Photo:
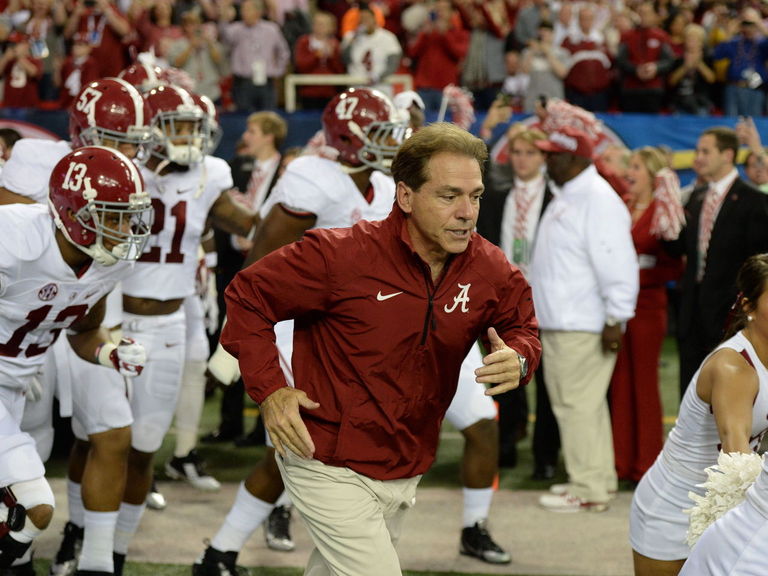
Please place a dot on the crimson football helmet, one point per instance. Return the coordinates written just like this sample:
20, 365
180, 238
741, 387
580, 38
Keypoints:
109, 109
366, 129
144, 76
214, 131
179, 125
97, 198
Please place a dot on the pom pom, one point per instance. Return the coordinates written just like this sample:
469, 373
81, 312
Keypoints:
726, 486
459, 102
668, 216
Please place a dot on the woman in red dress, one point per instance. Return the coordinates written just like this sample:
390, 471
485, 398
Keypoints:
653, 199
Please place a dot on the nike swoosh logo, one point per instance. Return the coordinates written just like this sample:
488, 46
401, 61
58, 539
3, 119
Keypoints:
381, 297
171, 344
183, 191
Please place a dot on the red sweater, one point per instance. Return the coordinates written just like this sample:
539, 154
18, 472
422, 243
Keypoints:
438, 57
376, 343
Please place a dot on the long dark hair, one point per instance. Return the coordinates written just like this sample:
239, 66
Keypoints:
751, 283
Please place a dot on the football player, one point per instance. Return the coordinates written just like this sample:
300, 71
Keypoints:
55, 278
187, 188
112, 113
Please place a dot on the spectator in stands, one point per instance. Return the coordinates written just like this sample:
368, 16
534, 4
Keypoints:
318, 53
350, 19
692, 76
546, 66
756, 170
293, 17
756, 162
259, 55
746, 52
77, 70
371, 51
674, 26
199, 54
644, 60
107, 30
156, 28
484, 70
515, 85
528, 20
21, 73
43, 26
590, 69
438, 53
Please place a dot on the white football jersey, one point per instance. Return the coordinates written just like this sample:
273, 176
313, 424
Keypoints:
319, 186
369, 53
182, 200
40, 295
28, 169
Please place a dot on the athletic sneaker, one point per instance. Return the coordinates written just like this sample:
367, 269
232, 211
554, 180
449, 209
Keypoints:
65, 562
155, 500
568, 503
477, 542
561, 489
191, 469
277, 529
217, 563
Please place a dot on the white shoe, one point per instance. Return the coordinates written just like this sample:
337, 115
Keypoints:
155, 500
191, 469
561, 489
566, 503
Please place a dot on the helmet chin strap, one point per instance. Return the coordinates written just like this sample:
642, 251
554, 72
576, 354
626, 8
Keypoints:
100, 254
96, 250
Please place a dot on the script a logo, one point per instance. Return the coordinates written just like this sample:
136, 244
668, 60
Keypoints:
462, 298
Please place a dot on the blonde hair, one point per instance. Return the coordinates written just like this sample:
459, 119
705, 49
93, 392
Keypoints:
652, 158
270, 123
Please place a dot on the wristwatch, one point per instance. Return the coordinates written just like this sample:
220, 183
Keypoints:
523, 366
610, 321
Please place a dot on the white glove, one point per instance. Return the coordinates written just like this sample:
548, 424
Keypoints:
223, 366
128, 357
211, 305
35, 390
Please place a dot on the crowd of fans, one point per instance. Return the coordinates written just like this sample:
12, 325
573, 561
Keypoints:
680, 56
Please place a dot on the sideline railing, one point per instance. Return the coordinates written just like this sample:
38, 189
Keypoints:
293, 80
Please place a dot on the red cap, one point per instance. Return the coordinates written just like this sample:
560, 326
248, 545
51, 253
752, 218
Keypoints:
567, 139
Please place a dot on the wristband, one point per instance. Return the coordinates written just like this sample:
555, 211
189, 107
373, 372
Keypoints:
103, 353
211, 259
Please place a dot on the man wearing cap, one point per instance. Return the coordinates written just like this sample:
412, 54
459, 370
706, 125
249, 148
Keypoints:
584, 276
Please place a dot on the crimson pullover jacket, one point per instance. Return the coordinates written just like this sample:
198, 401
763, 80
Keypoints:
376, 342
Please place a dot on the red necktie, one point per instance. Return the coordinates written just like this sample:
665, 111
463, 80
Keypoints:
520, 236
706, 223
254, 186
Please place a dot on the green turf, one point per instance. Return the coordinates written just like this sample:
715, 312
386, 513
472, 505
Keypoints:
134, 569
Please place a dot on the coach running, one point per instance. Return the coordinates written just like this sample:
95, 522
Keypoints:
385, 312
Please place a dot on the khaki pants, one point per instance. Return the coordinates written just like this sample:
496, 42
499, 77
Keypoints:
354, 521
577, 374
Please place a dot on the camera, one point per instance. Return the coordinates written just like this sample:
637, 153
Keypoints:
89, 3
752, 78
